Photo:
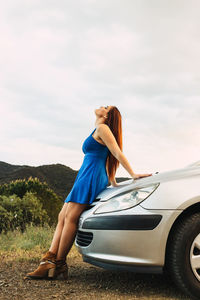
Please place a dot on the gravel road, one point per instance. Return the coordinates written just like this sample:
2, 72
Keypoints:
85, 282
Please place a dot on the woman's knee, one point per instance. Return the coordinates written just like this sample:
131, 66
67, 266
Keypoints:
73, 213
61, 216
62, 213
71, 217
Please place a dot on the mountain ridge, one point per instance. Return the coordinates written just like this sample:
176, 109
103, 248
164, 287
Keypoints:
60, 178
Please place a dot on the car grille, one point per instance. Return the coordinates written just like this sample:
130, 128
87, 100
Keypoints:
84, 238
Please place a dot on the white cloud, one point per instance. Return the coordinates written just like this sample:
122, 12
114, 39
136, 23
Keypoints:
30, 151
61, 60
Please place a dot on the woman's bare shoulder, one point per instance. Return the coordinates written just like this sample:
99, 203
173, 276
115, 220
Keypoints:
103, 127
104, 132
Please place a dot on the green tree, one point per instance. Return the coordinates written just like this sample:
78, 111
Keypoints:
49, 200
17, 213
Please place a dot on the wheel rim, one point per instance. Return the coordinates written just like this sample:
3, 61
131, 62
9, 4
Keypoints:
195, 257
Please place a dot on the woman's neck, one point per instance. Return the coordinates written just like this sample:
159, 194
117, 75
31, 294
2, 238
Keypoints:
99, 121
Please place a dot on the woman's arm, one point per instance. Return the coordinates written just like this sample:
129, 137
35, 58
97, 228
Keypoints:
108, 138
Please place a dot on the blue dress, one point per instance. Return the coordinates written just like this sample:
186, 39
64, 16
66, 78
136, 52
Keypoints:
92, 176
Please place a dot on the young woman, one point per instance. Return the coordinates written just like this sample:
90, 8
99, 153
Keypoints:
103, 153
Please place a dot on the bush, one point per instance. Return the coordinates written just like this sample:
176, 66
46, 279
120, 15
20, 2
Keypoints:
5, 219
17, 213
49, 200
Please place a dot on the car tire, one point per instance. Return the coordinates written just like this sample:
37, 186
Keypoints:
181, 254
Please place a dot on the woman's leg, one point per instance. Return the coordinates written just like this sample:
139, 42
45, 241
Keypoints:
61, 244
57, 234
68, 234
47, 266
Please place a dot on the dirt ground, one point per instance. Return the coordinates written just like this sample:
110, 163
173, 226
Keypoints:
85, 282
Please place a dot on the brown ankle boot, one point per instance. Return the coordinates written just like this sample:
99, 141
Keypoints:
46, 268
49, 256
61, 271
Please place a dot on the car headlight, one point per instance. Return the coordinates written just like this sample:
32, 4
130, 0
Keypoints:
126, 200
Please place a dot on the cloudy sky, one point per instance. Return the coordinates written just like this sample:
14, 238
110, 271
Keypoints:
61, 59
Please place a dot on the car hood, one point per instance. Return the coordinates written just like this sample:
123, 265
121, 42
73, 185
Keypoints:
125, 186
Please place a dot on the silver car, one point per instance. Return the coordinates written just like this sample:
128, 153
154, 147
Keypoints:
147, 225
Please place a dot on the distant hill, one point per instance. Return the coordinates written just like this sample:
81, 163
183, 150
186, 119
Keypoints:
59, 178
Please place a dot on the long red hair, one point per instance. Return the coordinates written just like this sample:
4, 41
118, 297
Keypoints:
114, 121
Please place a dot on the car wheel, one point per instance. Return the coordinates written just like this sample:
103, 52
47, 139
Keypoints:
183, 255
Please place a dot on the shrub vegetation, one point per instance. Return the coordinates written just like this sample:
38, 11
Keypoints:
27, 201
17, 213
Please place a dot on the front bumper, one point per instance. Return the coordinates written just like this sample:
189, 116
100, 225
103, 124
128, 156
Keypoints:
133, 239
122, 222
